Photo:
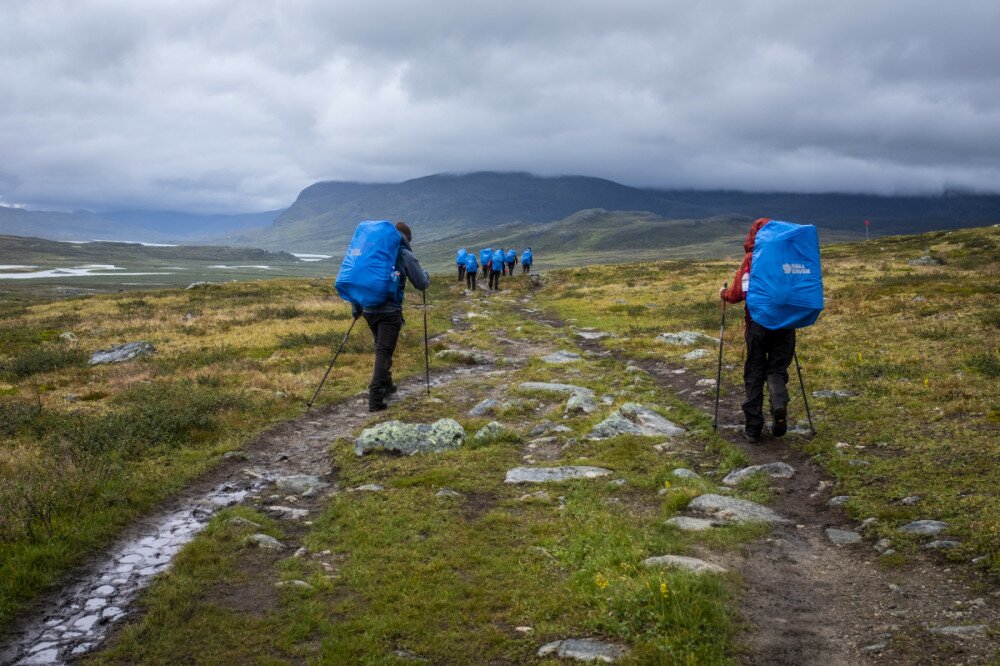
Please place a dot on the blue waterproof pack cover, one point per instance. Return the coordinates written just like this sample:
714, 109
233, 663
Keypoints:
526, 258
786, 279
511, 256
498, 260
484, 255
368, 275
471, 265
460, 256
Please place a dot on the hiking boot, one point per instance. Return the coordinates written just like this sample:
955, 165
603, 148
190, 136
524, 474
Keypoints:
751, 437
780, 425
391, 390
377, 406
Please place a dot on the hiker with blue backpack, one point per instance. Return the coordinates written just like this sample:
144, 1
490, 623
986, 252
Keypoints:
372, 278
485, 255
526, 259
471, 270
781, 282
496, 268
511, 261
460, 262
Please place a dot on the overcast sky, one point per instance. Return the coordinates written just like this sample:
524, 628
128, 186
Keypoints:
236, 105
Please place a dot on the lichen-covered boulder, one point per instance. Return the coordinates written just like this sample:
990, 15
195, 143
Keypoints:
490, 431
411, 438
463, 356
121, 353
634, 419
686, 338
579, 403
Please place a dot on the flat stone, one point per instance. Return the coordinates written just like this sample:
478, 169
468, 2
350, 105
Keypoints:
447, 492
411, 439
697, 354
926, 260
839, 500
682, 473
912, 500
635, 370
235, 455
707, 383
874, 647
776, 470
237, 521
485, 407
287, 512
686, 338
540, 497
86, 622
554, 474
593, 335
561, 357
634, 419
882, 545
104, 591
49, 656
112, 612
961, 630
942, 544
924, 527
197, 285
842, 537
834, 393
463, 356
580, 404
734, 510
264, 541
97, 603
297, 584
368, 488
299, 483
552, 387
490, 431
691, 564
688, 524
121, 353
584, 649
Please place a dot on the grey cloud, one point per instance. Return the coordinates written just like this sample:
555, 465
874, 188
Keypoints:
230, 105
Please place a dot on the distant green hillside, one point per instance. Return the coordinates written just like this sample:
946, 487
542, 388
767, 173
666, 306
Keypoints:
20, 250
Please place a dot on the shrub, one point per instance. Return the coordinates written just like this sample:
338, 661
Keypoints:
986, 364
282, 312
46, 358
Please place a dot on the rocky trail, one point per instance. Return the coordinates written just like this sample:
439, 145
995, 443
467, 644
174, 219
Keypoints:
815, 591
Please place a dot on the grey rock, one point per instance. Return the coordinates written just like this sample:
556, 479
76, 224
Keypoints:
121, 353
410, 438
883, 545
634, 419
237, 521
697, 354
924, 527
490, 431
554, 474
926, 260
839, 500
463, 356
858, 463
635, 370
264, 541
551, 387
299, 483
197, 285
942, 544
542, 428
708, 383
961, 630
874, 647
539, 496
734, 510
368, 488
887, 552
691, 564
776, 470
447, 492
919, 299
67, 336
686, 338
235, 455
834, 393
297, 584
287, 512
842, 537
910, 501
688, 524
561, 357
487, 406
580, 404
593, 335
584, 649
682, 473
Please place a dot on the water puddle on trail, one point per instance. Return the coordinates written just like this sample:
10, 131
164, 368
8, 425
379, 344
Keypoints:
80, 617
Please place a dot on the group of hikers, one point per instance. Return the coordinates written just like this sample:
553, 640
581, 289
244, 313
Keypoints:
494, 263
779, 279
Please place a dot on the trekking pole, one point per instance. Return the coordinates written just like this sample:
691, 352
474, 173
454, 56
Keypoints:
804, 397
327, 373
427, 353
718, 373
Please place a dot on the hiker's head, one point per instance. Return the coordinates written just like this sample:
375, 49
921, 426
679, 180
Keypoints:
404, 228
752, 236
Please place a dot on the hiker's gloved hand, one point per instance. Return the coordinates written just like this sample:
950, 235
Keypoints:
355, 310
722, 293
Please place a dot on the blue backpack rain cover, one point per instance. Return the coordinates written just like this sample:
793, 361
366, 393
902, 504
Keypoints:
485, 254
786, 280
460, 257
368, 276
471, 265
526, 257
511, 256
498, 260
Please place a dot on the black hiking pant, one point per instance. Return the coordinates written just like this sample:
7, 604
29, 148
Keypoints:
525, 268
486, 271
461, 272
385, 327
769, 353
470, 279
495, 280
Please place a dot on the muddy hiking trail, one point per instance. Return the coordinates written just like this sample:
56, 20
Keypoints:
804, 600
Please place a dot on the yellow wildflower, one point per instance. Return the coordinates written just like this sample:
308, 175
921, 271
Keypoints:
600, 581
663, 590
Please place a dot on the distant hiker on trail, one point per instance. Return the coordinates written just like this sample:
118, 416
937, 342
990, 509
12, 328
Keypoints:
511, 261
484, 260
471, 270
496, 269
386, 320
526, 260
768, 355
460, 262
781, 281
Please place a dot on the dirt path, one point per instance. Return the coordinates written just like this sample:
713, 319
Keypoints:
808, 601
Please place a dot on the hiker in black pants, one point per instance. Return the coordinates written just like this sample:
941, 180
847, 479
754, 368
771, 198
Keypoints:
769, 353
386, 321
496, 269
471, 271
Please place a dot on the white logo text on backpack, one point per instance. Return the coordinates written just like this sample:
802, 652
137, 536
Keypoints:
795, 269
